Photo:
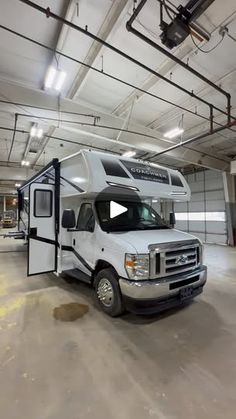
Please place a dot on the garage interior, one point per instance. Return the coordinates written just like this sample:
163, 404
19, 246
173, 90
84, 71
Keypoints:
102, 75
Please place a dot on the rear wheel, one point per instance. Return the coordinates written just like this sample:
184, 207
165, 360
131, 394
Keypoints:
108, 292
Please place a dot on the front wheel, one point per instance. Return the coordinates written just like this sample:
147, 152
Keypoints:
108, 292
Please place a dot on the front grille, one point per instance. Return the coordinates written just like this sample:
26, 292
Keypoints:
175, 258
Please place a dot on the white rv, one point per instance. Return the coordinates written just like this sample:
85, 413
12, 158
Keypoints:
92, 216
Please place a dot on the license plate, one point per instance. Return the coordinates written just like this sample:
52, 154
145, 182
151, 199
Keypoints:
186, 293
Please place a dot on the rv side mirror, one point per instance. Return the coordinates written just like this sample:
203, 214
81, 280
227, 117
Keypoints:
68, 218
172, 219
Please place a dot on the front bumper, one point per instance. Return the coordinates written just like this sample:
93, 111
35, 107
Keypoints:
154, 292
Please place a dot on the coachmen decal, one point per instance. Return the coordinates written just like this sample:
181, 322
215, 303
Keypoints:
145, 172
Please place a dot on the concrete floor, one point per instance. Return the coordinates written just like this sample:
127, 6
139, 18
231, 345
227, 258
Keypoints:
178, 365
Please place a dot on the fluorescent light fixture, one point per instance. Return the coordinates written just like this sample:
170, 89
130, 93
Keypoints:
60, 80
39, 133
129, 153
36, 132
174, 133
51, 74
33, 131
17, 185
154, 200
25, 163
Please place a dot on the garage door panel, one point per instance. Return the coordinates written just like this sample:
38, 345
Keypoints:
215, 206
197, 197
181, 207
215, 195
182, 225
196, 207
216, 238
197, 187
197, 226
215, 227
207, 202
212, 184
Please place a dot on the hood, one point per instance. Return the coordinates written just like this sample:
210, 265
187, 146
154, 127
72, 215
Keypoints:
141, 239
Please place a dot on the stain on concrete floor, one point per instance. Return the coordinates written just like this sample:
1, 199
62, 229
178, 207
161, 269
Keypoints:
70, 312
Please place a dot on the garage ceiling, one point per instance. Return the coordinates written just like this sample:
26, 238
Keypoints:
102, 100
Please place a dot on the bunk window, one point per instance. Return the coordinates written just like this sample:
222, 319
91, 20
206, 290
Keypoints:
42, 203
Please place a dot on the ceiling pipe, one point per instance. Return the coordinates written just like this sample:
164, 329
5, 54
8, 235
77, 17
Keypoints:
87, 124
122, 143
167, 53
13, 137
191, 140
104, 74
48, 136
173, 57
85, 31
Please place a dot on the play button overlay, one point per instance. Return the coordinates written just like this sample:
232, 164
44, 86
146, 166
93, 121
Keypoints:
116, 209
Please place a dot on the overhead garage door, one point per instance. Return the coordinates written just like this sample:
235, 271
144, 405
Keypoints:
205, 215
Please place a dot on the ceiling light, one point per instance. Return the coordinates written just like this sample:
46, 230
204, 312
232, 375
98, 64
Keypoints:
174, 133
39, 133
50, 76
129, 153
54, 79
60, 80
36, 132
33, 131
17, 185
25, 163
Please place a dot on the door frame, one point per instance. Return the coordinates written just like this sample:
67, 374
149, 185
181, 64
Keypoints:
55, 164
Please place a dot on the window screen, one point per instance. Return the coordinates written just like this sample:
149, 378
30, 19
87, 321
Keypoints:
86, 217
42, 203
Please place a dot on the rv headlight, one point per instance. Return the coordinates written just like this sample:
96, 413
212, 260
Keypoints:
137, 266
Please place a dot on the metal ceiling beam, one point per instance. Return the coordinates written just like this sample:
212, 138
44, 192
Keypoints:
151, 81
39, 98
123, 54
187, 102
120, 80
110, 20
167, 53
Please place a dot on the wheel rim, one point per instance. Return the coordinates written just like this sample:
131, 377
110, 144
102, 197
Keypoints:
105, 292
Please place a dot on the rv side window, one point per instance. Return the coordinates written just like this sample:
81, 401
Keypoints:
86, 219
175, 180
42, 203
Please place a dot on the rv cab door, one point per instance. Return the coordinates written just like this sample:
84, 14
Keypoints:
42, 252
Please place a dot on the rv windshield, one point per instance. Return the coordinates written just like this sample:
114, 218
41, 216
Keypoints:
138, 216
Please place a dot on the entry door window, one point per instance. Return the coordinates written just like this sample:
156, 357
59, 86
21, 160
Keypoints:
42, 203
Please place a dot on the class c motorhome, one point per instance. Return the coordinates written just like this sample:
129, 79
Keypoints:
94, 216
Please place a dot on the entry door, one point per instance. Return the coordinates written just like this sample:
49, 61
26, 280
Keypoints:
42, 252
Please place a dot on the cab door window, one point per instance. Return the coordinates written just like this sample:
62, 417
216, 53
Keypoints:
86, 220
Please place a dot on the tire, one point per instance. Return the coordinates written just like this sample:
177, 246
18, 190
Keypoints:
108, 292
